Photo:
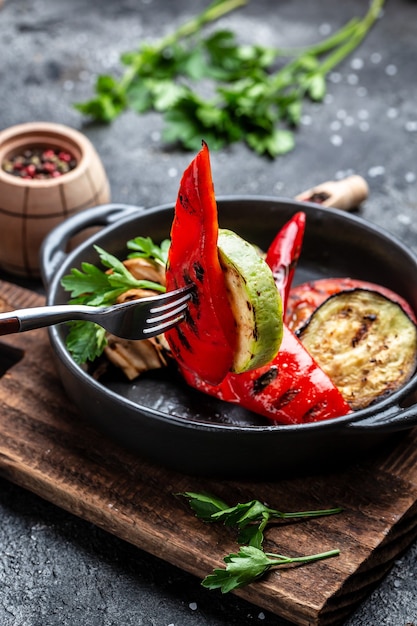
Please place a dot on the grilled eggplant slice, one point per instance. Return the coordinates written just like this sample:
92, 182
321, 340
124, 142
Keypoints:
304, 299
365, 342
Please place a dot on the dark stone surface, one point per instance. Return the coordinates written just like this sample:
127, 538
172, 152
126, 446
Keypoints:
54, 568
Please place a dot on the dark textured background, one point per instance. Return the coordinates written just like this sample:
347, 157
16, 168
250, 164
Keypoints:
56, 569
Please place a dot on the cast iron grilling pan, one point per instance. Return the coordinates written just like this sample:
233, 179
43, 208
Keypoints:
162, 419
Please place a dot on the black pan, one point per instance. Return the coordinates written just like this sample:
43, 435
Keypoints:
162, 419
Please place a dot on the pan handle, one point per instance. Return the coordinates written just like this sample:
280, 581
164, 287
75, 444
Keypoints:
396, 414
54, 248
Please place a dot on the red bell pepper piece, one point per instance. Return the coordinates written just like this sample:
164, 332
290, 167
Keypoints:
292, 389
204, 343
283, 254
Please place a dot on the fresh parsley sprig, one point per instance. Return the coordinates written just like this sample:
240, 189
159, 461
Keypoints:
95, 287
250, 518
251, 563
258, 91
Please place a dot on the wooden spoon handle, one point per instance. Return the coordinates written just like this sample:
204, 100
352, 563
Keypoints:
346, 194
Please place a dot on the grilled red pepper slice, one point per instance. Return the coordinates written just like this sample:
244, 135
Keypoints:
283, 254
204, 342
292, 389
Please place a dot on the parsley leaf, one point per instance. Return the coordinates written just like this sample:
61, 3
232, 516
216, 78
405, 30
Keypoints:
204, 505
85, 341
81, 283
250, 563
144, 247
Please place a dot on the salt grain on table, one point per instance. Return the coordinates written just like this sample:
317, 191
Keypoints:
353, 79
411, 126
377, 170
335, 77
404, 219
356, 64
391, 70
392, 113
336, 140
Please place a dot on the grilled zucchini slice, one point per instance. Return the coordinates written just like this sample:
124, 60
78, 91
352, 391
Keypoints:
365, 343
255, 302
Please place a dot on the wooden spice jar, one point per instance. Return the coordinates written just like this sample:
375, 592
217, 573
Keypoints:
31, 206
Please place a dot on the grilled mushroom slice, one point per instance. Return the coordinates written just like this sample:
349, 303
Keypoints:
136, 357
365, 343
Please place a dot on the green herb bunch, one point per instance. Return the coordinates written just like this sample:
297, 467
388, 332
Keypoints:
250, 519
258, 91
96, 287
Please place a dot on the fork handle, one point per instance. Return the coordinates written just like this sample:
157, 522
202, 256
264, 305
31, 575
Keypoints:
9, 326
40, 317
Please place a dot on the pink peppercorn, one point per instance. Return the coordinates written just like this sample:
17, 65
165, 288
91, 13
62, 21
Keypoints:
49, 167
30, 170
64, 156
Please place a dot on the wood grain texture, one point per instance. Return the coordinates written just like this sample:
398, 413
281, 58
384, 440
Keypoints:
48, 448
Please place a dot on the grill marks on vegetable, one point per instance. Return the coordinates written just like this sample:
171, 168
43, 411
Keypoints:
195, 299
265, 379
364, 329
282, 401
185, 203
199, 272
183, 340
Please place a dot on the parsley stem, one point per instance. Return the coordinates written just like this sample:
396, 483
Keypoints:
356, 28
358, 35
324, 45
342, 42
280, 559
298, 514
214, 11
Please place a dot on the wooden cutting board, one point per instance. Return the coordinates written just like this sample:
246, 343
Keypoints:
48, 448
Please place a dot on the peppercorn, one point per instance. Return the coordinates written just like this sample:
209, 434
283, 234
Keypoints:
40, 163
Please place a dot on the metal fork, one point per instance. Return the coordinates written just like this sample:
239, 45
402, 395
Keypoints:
138, 319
